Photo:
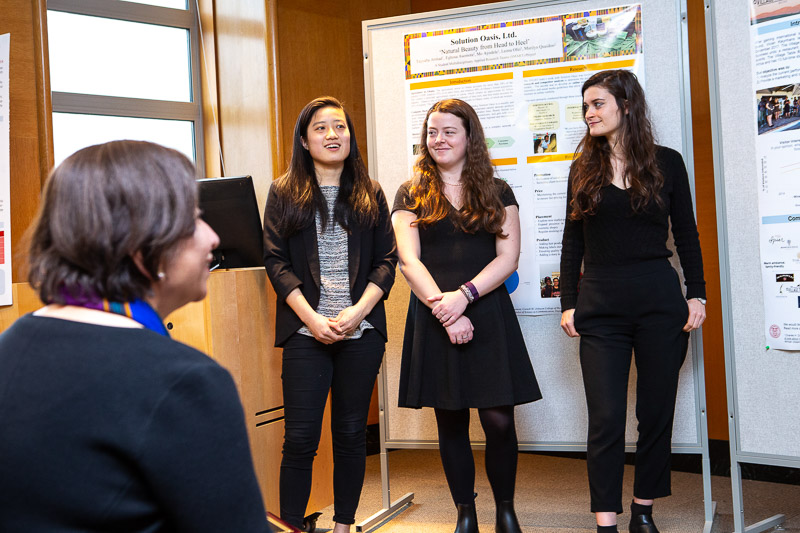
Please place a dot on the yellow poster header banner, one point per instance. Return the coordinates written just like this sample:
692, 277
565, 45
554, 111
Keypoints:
462, 81
608, 65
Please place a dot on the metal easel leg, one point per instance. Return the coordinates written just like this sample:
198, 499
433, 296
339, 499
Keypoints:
390, 509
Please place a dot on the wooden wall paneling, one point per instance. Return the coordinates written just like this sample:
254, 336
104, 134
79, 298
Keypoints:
245, 109
20, 18
421, 6
208, 87
327, 60
44, 103
713, 347
273, 70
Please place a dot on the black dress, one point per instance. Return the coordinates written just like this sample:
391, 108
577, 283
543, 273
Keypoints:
491, 370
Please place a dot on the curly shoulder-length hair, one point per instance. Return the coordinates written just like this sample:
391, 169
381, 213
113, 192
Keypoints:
482, 208
592, 170
101, 207
299, 196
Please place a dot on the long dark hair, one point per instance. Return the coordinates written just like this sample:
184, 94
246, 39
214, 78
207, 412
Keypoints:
482, 207
298, 192
592, 169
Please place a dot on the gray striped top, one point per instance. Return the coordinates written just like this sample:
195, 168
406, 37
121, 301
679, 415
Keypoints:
334, 274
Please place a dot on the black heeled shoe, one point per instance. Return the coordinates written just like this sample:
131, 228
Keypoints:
506, 518
467, 518
642, 523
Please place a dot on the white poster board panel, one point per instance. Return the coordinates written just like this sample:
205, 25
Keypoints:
764, 382
559, 420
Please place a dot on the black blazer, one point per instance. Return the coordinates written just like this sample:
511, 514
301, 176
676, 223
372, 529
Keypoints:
294, 262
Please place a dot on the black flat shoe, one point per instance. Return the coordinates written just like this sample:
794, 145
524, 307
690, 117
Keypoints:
467, 518
506, 518
642, 523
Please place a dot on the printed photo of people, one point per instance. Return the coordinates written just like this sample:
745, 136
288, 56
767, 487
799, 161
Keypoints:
549, 281
603, 33
778, 108
544, 143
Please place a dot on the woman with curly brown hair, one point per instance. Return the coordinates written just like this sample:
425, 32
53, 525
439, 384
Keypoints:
624, 191
458, 238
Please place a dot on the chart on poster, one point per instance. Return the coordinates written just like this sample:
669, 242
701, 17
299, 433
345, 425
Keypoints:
775, 56
5, 176
523, 77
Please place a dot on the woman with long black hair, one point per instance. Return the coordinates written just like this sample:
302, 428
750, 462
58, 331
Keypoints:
458, 237
624, 192
330, 254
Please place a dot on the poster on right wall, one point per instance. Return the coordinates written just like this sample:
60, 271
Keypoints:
775, 55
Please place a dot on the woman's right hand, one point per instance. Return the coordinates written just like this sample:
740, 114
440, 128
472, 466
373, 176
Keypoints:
321, 328
568, 323
461, 330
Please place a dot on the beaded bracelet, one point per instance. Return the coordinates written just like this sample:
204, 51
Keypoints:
467, 293
473, 290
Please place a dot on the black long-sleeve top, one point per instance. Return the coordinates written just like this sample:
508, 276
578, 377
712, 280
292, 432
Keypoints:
615, 235
119, 429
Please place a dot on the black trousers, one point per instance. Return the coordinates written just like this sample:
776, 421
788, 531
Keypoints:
620, 309
310, 369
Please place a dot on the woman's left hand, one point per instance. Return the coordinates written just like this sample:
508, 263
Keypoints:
697, 314
347, 320
450, 306
461, 331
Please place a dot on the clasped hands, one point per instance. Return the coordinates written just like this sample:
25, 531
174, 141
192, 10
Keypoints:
329, 330
448, 309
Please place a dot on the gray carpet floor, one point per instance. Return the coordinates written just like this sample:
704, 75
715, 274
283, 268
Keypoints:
552, 497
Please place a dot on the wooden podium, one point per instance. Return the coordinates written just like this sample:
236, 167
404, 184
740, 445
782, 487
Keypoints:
234, 324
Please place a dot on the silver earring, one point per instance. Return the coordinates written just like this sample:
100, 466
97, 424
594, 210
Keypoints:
161, 276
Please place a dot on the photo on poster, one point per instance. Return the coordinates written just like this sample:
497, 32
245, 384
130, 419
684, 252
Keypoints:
549, 281
778, 108
603, 33
766, 10
544, 143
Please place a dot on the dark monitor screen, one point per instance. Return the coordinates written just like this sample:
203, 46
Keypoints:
229, 206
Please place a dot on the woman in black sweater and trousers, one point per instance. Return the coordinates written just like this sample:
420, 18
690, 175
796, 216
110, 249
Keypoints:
623, 193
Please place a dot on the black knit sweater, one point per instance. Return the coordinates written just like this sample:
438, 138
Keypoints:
615, 235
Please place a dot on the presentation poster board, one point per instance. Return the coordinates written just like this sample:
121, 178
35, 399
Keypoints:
762, 381
519, 109
754, 69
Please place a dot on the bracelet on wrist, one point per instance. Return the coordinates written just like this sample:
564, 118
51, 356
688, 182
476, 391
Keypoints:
467, 293
472, 290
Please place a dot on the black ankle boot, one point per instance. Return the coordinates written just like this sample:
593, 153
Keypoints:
642, 523
506, 518
467, 518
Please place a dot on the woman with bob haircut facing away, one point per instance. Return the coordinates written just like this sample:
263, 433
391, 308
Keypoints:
330, 255
458, 238
108, 425
624, 191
